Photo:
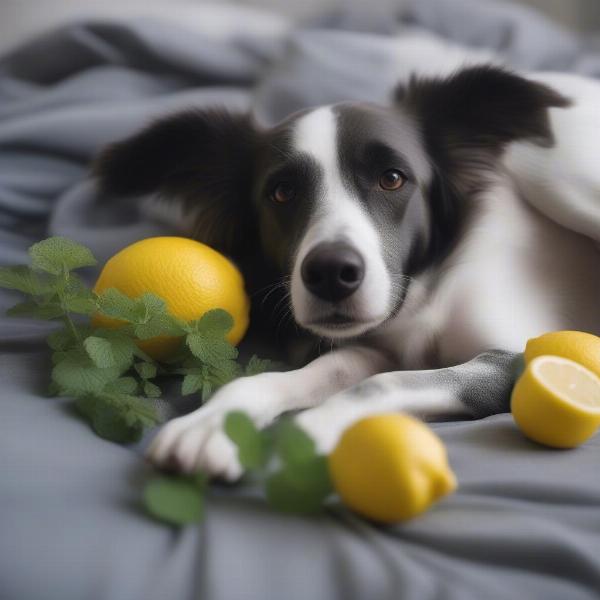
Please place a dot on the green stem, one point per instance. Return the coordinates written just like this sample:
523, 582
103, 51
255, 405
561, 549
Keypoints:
71, 327
67, 318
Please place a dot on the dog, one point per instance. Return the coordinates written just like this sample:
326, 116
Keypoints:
404, 236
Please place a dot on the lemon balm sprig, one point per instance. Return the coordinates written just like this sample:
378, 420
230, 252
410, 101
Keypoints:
54, 291
283, 459
90, 365
110, 378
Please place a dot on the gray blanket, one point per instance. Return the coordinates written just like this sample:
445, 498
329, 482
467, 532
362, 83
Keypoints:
525, 521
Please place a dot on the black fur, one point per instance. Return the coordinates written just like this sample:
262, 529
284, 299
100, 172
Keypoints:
467, 120
484, 107
204, 159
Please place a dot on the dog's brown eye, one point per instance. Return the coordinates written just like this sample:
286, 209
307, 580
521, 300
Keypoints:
283, 192
391, 180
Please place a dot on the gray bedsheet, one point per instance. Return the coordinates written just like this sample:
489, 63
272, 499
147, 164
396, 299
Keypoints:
525, 522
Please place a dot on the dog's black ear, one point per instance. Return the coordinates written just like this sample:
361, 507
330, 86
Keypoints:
483, 107
203, 159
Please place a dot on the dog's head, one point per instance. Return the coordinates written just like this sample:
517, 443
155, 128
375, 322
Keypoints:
348, 200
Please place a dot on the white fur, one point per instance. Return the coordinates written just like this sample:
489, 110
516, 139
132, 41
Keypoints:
338, 216
513, 276
563, 182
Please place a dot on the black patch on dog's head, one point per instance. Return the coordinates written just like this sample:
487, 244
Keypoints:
467, 120
204, 159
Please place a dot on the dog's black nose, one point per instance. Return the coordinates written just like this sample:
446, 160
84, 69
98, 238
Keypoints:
333, 271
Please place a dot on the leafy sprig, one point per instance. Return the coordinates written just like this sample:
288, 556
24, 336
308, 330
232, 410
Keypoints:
112, 381
284, 458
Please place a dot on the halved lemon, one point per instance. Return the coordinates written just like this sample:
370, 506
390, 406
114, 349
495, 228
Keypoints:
556, 402
579, 346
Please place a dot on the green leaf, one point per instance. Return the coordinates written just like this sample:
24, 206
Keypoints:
151, 390
30, 309
122, 346
62, 339
192, 382
286, 494
100, 351
303, 483
86, 406
256, 365
53, 389
224, 372
57, 255
115, 304
73, 285
80, 306
146, 370
206, 391
211, 351
176, 500
25, 280
292, 444
181, 357
76, 374
148, 313
59, 356
312, 475
112, 423
240, 428
117, 417
153, 304
214, 323
123, 385
107, 418
139, 409
251, 444
158, 324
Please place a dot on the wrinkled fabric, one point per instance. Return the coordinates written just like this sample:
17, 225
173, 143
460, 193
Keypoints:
525, 520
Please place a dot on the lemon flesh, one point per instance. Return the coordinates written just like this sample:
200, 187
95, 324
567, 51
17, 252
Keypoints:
190, 276
556, 402
390, 468
583, 348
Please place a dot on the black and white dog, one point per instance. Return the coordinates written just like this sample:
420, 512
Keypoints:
401, 235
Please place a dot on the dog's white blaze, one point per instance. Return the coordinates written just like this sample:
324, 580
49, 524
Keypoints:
337, 215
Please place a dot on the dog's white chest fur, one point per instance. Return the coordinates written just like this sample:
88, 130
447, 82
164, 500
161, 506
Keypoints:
514, 275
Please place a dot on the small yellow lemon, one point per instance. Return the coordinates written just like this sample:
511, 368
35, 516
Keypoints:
191, 277
390, 467
556, 402
581, 347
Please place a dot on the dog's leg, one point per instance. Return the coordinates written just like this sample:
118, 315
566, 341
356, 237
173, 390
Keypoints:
477, 388
197, 441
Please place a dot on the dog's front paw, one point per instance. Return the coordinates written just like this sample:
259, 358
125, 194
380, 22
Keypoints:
194, 443
197, 442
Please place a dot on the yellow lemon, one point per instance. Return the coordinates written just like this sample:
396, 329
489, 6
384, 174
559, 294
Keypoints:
581, 347
556, 402
390, 467
191, 277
